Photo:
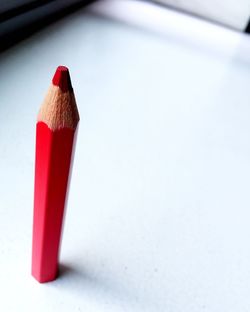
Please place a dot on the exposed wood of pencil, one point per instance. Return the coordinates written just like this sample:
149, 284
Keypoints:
55, 136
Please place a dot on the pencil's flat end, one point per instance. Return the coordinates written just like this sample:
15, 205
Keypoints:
62, 79
44, 278
44, 273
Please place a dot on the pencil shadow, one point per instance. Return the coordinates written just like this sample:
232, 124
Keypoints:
68, 272
101, 287
65, 271
81, 276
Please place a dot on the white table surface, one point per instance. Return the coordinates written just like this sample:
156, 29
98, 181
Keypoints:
159, 208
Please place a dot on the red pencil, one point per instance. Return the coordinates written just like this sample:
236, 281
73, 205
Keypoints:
55, 136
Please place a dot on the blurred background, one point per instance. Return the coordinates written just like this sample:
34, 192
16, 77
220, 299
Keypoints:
20, 18
234, 14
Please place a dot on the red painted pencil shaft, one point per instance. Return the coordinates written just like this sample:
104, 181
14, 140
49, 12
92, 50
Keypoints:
55, 137
53, 161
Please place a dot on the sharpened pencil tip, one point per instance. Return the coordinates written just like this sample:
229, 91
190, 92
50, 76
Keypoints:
62, 79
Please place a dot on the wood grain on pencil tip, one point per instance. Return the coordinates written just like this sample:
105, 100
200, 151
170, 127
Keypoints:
59, 108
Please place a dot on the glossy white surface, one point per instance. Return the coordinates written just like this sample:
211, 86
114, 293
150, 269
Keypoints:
158, 212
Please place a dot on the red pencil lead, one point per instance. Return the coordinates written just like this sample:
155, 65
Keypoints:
62, 79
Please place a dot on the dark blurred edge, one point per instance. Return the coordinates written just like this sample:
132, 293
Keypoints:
21, 22
17, 8
247, 30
